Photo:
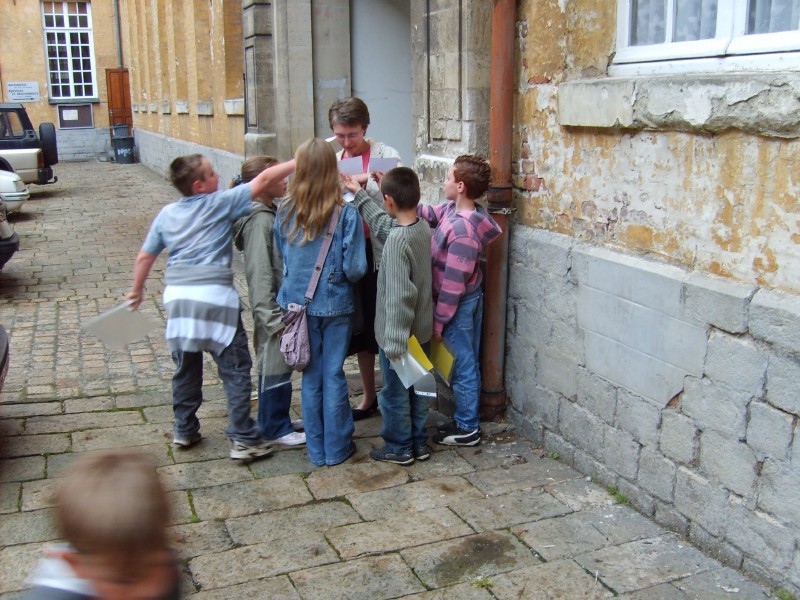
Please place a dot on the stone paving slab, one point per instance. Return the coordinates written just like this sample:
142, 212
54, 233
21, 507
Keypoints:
500, 520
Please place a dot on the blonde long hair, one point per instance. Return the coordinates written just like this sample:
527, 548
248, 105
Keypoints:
313, 192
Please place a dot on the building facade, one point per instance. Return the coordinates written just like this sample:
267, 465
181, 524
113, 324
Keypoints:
652, 312
55, 58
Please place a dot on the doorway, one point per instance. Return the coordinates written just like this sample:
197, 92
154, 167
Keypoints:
380, 55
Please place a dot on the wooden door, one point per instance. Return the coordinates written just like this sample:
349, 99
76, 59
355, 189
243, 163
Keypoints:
119, 98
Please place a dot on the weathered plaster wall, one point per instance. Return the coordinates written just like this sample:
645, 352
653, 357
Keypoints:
186, 61
692, 170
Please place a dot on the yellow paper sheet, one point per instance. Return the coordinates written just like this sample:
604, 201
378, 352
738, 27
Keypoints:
417, 352
442, 359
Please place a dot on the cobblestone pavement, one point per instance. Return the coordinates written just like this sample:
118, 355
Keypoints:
498, 521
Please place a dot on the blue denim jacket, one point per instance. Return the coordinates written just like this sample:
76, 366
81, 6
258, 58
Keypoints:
345, 264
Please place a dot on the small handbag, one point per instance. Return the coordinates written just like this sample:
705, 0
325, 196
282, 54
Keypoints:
295, 345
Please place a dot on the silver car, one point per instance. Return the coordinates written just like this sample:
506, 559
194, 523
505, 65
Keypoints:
13, 191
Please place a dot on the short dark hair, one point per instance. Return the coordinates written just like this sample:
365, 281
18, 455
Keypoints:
474, 172
350, 111
402, 184
184, 171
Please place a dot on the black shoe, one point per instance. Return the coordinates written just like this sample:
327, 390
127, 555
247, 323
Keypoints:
422, 452
445, 426
363, 413
384, 455
455, 436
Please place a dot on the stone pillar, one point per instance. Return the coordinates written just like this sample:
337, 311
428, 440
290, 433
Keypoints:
278, 71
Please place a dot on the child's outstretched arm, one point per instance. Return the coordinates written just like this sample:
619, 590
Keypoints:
269, 176
141, 269
379, 222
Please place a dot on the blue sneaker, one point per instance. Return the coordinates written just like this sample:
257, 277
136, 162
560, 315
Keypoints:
384, 455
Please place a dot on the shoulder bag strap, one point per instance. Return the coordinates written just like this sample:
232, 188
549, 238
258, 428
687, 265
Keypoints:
323, 253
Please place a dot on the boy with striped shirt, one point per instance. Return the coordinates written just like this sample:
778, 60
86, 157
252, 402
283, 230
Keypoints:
462, 232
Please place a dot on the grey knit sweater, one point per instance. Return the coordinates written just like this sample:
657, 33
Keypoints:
404, 304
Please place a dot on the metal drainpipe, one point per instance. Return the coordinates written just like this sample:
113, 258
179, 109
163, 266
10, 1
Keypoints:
118, 33
501, 106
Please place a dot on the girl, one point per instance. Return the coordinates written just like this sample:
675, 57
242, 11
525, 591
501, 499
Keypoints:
314, 194
264, 270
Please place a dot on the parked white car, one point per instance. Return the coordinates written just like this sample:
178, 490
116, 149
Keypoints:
13, 191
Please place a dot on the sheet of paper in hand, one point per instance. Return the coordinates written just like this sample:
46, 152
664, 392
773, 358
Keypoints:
381, 165
351, 166
120, 326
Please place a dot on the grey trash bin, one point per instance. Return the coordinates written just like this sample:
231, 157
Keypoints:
120, 130
123, 149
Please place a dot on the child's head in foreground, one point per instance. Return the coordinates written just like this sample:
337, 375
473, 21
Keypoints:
193, 174
401, 185
470, 175
112, 510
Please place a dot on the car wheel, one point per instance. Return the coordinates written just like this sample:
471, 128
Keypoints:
47, 135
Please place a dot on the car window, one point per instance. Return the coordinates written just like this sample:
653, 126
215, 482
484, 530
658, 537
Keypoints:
10, 125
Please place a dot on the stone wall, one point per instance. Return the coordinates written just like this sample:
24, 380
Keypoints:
84, 144
156, 151
679, 389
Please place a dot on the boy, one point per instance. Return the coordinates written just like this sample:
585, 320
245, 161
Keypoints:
462, 232
404, 308
202, 305
113, 513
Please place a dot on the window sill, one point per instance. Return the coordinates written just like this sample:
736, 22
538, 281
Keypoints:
62, 101
757, 103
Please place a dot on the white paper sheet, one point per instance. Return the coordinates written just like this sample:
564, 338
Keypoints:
381, 165
120, 326
351, 166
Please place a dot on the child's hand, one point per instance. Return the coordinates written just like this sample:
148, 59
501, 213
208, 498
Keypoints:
135, 298
377, 176
437, 336
350, 183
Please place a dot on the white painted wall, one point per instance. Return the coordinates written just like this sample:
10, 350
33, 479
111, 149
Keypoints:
380, 38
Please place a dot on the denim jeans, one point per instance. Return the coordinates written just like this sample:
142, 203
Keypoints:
327, 417
463, 337
233, 365
404, 413
274, 402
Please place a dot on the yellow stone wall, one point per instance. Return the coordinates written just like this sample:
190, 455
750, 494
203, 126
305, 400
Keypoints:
724, 203
186, 59
22, 54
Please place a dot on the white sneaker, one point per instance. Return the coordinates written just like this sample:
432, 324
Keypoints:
297, 424
240, 451
294, 438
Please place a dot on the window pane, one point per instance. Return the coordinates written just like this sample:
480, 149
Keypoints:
648, 22
695, 20
771, 16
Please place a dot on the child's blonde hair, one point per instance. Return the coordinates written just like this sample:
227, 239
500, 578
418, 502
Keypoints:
314, 190
111, 504
253, 166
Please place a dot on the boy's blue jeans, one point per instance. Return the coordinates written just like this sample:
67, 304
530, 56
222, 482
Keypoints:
327, 416
274, 402
463, 337
404, 413
233, 365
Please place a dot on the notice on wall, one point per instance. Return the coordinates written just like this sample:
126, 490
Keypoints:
23, 91
69, 115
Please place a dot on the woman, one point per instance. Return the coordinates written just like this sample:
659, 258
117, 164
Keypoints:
349, 119
314, 194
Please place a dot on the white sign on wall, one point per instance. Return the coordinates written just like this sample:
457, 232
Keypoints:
23, 91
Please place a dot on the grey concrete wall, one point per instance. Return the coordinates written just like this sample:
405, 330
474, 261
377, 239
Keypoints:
156, 152
83, 144
677, 388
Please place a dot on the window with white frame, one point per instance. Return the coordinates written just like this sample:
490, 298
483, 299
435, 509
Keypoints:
714, 30
70, 50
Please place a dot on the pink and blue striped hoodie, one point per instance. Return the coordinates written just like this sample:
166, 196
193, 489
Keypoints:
456, 246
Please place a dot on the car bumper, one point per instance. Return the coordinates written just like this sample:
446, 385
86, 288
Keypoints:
7, 248
15, 200
46, 176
